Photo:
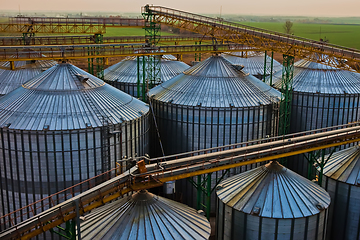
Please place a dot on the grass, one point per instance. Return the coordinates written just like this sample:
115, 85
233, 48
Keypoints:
340, 34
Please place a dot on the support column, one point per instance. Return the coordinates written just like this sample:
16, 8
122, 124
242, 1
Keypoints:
264, 77
286, 94
208, 195
143, 94
12, 65
271, 68
99, 61
152, 37
138, 77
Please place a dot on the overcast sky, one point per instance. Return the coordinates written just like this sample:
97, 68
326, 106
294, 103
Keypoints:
244, 7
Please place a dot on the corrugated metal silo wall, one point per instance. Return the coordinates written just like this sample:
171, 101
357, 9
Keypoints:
233, 224
190, 128
35, 164
344, 219
314, 110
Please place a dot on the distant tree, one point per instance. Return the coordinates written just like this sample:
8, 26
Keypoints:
325, 39
287, 27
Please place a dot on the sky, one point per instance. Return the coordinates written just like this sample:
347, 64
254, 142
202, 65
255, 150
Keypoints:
331, 8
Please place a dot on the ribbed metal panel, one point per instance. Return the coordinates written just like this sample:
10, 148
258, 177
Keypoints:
212, 104
271, 202
145, 216
253, 62
24, 71
62, 127
215, 83
323, 96
124, 75
342, 181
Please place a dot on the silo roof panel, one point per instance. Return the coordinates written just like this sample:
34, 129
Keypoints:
126, 70
215, 83
344, 166
273, 191
254, 63
312, 77
64, 97
145, 216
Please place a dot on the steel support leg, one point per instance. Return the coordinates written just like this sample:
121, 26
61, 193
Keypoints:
138, 77
286, 94
264, 77
208, 196
271, 68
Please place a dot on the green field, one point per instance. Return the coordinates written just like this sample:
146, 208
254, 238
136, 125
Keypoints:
347, 35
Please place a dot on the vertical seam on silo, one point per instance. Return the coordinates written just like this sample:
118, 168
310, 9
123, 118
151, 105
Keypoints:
347, 211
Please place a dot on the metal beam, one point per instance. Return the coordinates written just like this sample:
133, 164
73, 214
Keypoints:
84, 25
23, 53
90, 39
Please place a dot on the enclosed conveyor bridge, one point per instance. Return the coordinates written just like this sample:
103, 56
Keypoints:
169, 168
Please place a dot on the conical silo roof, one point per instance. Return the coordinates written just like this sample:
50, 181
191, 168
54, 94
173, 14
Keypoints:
23, 71
273, 191
145, 216
253, 62
125, 71
344, 166
312, 77
65, 97
215, 83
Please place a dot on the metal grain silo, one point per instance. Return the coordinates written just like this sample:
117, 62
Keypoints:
22, 72
145, 216
323, 96
341, 178
253, 62
62, 127
124, 75
271, 202
212, 104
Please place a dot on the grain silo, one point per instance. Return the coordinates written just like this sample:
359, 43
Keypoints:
62, 127
124, 75
12, 77
323, 96
212, 104
254, 63
271, 202
144, 216
341, 178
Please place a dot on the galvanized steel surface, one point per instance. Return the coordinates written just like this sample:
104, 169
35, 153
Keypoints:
145, 216
344, 166
212, 104
323, 96
253, 62
59, 99
215, 83
271, 202
342, 181
124, 75
311, 77
63, 127
24, 71
273, 191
